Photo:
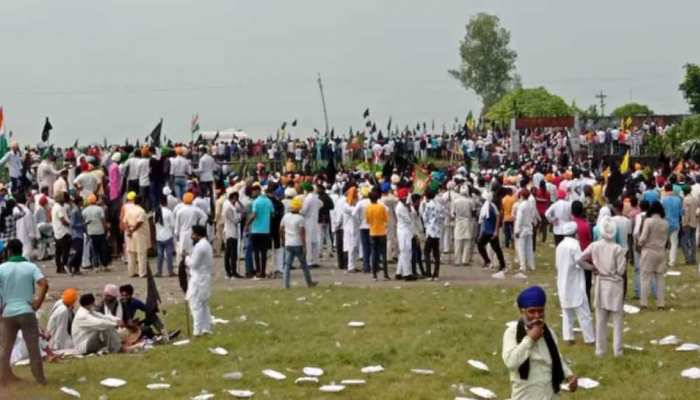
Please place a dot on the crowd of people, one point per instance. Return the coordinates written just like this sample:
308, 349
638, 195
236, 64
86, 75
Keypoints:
188, 203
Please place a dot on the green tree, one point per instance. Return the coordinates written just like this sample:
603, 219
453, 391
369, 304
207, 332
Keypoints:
488, 64
535, 102
631, 109
691, 87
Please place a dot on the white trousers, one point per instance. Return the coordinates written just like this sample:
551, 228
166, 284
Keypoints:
278, 255
201, 317
463, 251
673, 238
585, 321
352, 257
313, 248
601, 331
403, 267
392, 245
526, 256
446, 239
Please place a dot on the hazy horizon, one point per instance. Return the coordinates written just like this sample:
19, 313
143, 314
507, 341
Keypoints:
114, 68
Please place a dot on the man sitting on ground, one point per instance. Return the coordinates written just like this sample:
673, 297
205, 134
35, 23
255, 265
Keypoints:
92, 331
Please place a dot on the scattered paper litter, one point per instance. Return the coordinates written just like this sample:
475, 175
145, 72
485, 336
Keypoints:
670, 340
483, 393
181, 342
632, 347
302, 298
419, 371
478, 365
673, 273
113, 382
630, 309
241, 394
204, 396
306, 379
587, 383
372, 369
219, 351
356, 324
688, 347
261, 323
233, 376
312, 371
332, 388
691, 373
157, 386
349, 382
243, 318
70, 392
271, 373
217, 321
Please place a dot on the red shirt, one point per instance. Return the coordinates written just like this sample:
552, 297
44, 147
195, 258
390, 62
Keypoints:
583, 232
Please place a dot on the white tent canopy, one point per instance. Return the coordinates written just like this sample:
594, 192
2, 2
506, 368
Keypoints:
225, 135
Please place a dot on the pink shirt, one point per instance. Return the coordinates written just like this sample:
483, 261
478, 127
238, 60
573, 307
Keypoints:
115, 181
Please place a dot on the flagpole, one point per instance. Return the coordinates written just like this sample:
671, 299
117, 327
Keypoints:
323, 101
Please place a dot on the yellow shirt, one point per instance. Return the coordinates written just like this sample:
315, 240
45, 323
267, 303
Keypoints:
507, 204
377, 218
598, 194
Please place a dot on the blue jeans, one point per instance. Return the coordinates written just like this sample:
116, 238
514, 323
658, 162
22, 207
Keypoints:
249, 267
379, 250
290, 252
366, 249
179, 186
688, 244
165, 251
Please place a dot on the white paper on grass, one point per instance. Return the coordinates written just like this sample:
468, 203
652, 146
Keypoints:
419, 371
204, 396
233, 376
632, 347
241, 394
219, 351
113, 382
372, 369
478, 365
670, 340
483, 392
181, 342
691, 373
70, 392
271, 373
630, 309
356, 324
306, 379
673, 273
157, 386
312, 371
217, 321
332, 388
688, 347
349, 382
587, 383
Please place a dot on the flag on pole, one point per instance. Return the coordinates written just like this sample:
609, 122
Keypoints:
628, 123
194, 126
470, 121
420, 181
155, 134
2, 121
625, 164
3, 137
46, 131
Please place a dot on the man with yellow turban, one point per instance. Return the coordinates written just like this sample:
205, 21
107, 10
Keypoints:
60, 319
138, 236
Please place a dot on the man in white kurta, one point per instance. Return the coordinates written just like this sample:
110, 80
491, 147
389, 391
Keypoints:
571, 287
201, 264
463, 209
60, 319
93, 331
26, 229
310, 209
187, 215
525, 218
404, 233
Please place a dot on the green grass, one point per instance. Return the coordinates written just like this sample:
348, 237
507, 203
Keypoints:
417, 326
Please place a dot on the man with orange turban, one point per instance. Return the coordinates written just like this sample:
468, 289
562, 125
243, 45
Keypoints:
187, 216
60, 320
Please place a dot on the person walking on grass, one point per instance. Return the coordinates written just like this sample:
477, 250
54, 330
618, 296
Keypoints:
293, 234
377, 216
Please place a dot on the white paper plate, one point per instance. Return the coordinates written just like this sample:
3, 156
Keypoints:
204, 396
419, 371
217, 321
233, 376
632, 347
478, 365
670, 340
673, 273
356, 324
351, 382
241, 394
219, 351
587, 383
691, 373
372, 369
630, 309
688, 347
483, 393
181, 342
70, 392
113, 382
157, 386
333, 388
306, 379
271, 373
313, 371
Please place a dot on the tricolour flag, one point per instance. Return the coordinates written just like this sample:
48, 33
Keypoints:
194, 126
3, 137
625, 164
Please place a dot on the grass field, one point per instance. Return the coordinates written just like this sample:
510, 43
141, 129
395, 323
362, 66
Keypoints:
418, 325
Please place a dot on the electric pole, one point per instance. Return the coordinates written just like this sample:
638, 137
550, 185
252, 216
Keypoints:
601, 96
323, 101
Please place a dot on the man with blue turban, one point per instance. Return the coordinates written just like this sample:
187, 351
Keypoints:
530, 352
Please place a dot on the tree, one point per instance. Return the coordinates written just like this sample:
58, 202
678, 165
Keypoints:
535, 102
488, 64
691, 86
631, 109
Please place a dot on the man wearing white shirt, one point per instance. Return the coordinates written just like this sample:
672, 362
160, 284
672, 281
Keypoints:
558, 214
132, 171
46, 173
207, 166
93, 331
13, 159
165, 238
232, 228
61, 232
180, 169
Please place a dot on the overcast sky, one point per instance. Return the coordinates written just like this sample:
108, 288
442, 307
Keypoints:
114, 68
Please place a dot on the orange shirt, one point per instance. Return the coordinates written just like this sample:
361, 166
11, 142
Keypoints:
377, 217
507, 204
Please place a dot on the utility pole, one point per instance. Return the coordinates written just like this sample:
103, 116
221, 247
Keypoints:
323, 101
601, 96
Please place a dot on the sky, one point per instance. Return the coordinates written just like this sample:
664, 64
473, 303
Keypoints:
112, 68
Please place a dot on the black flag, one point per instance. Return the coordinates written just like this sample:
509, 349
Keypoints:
332, 133
316, 131
294, 123
368, 124
155, 134
75, 144
366, 113
388, 126
374, 128
284, 125
45, 132
182, 272
152, 295
104, 142
216, 136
